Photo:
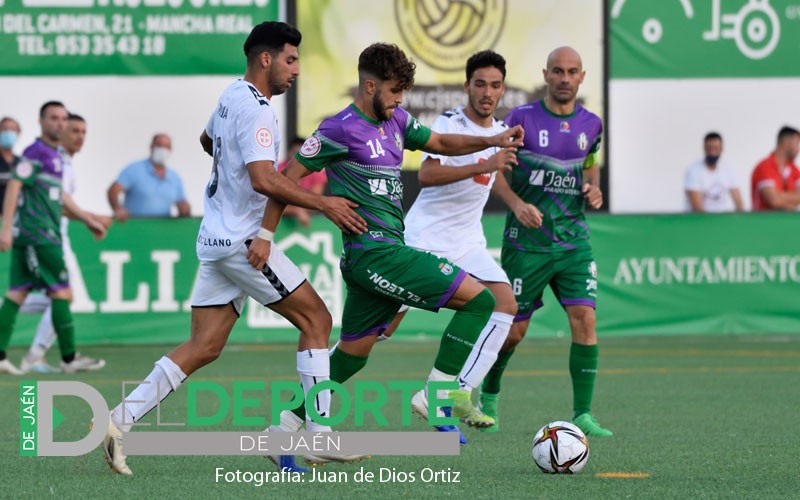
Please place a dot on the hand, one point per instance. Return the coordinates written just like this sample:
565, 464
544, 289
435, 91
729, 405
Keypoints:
6, 239
121, 215
528, 215
503, 160
96, 227
592, 195
510, 138
258, 253
105, 220
340, 211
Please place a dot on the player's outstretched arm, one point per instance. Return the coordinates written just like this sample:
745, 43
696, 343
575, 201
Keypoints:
528, 215
459, 144
433, 173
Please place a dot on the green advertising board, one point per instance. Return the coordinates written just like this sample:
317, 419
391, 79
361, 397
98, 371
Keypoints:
704, 38
670, 274
127, 37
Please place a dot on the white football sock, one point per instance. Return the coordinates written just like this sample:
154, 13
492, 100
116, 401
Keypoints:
439, 376
45, 335
314, 366
484, 352
165, 378
289, 422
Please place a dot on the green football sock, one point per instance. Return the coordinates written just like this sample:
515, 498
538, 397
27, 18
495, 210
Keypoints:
65, 328
343, 366
462, 332
8, 315
491, 383
583, 369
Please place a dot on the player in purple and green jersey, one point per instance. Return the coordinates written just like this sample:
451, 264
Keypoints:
362, 149
546, 238
31, 229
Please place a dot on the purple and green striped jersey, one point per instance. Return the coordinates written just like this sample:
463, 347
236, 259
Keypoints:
550, 176
363, 159
38, 217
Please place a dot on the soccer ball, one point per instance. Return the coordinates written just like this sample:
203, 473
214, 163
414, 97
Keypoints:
560, 448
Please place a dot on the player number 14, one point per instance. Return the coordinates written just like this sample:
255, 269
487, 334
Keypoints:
376, 148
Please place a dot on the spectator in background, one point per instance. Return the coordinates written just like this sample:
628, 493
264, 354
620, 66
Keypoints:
314, 182
711, 185
150, 188
775, 183
9, 133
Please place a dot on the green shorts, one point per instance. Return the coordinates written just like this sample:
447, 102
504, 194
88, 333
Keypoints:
38, 267
384, 278
571, 275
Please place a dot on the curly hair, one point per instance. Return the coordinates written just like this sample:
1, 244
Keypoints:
386, 62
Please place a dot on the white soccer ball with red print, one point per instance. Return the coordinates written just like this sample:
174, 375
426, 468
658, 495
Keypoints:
560, 448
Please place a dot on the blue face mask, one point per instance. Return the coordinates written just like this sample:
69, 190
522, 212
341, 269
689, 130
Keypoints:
7, 139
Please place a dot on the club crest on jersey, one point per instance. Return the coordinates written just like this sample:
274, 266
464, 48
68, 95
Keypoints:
264, 137
446, 269
564, 128
383, 133
583, 142
311, 147
397, 141
24, 169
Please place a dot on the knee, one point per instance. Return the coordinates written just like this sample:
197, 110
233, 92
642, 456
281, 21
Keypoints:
515, 336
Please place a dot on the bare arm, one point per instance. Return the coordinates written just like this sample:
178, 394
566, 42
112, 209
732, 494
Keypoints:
737, 199
9, 209
433, 173
184, 210
96, 227
780, 200
207, 143
527, 214
458, 144
696, 200
113, 194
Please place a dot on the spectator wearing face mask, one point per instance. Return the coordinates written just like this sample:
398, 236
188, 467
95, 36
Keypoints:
149, 187
711, 185
9, 133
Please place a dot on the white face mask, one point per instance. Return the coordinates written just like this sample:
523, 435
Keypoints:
160, 155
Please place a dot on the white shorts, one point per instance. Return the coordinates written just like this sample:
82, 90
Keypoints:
232, 279
477, 261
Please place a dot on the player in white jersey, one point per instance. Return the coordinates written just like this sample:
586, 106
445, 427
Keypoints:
236, 260
39, 303
446, 220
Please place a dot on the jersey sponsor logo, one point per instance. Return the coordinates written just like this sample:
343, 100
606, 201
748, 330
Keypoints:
24, 169
213, 242
583, 141
311, 147
387, 187
564, 128
446, 269
398, 141
264, 137
482, 179
554, 182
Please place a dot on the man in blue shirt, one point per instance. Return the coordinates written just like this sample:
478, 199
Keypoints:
150, 188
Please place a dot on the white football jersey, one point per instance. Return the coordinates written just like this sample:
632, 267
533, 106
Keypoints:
444, 218
244, 129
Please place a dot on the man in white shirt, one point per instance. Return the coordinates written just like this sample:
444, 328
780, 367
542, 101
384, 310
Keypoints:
711, 185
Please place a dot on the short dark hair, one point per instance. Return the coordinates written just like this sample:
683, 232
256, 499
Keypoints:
270, 36
8, 119
787, 131
485, 59
386, 62
75, 117
711, 136
50, 104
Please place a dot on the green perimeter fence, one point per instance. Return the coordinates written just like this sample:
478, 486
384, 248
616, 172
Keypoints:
657, 274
